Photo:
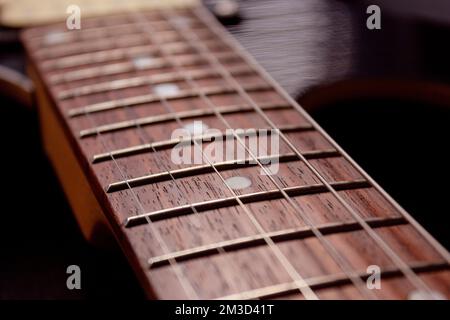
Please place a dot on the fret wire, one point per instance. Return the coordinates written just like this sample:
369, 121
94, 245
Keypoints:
149, 98
80, 35
143, 80
102, 44
89, 33
327, 281
166, 144
97, 57
114, 54
196, 113
69, 36
79, 59
245, 198
200, 169
412, 277
291, 271
94, 72
302, 217
111, 42
158, 145
86, 29
127, 66
277, 236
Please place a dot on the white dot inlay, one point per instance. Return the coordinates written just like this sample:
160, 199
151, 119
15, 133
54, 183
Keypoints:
166, 89
425, 295
181, 22
141, 63
196, 127
238, 182
55, 38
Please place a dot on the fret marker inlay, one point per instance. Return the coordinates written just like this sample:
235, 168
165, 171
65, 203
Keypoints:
238, 183
144, 62
166, 89
196, 128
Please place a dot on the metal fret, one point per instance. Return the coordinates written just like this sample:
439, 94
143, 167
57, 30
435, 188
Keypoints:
120, 53
128, 66
106, 70
146, 80
166, 144
145, 121
88, 46
202, 169
149, 98
98, 57
245, 198
327, 281
83, 46
96, 32
276, 236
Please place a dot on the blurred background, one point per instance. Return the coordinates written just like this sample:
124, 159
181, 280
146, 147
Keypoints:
383, 95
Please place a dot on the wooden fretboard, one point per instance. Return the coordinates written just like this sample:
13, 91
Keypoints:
221, 229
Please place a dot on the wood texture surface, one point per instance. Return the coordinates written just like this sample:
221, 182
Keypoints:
239, 265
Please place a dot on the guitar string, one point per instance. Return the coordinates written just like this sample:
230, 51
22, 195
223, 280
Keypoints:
303, 287
404, 267
343, 264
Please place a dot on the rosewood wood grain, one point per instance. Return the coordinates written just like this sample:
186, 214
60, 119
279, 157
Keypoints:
169, 218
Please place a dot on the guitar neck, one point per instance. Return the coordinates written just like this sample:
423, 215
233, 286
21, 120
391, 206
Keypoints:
282, 212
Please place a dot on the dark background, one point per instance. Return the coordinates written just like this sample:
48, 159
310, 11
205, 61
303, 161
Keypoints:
306, 45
